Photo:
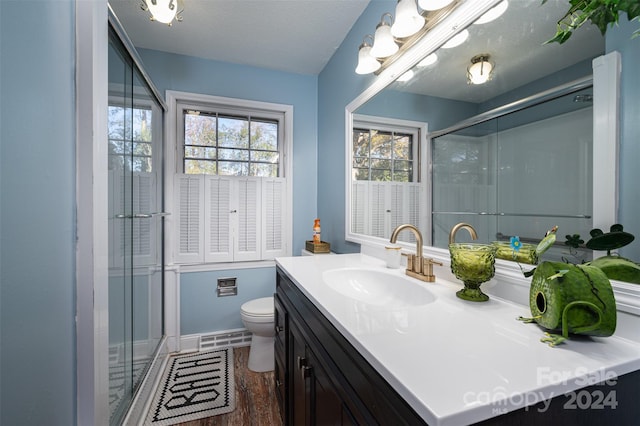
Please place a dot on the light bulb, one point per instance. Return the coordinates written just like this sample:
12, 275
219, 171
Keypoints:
383, 44
366, 63
162, 10
480, 70
408, 21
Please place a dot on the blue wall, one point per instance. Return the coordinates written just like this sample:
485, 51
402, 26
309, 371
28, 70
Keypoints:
201, 311
338, 84
37, 222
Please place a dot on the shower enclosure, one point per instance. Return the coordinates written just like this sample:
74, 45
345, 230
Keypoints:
135, 228
519, 170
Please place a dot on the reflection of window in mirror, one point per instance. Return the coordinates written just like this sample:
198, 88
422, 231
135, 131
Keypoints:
385, 176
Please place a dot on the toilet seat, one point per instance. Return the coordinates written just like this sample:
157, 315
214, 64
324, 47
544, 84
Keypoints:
258, 308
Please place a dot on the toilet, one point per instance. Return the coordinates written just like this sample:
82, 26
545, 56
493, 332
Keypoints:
258, 317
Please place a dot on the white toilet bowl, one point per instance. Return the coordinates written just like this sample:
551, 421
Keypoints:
258, 317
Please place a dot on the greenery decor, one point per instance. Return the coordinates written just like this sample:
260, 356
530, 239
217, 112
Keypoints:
601, 13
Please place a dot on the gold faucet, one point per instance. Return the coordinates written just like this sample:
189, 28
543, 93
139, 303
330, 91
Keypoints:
417, 266
459, 226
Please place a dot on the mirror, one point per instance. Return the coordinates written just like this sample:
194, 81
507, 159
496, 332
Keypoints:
438, 97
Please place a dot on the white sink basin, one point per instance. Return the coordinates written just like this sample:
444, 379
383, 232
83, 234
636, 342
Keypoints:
376, 287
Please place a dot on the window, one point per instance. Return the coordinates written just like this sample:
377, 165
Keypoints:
232, 200
127, 151
385, 188
220, 144
383, 155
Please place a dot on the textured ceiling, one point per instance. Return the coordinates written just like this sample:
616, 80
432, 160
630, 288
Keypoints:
298, 36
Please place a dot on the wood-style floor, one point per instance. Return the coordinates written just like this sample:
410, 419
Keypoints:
256, 402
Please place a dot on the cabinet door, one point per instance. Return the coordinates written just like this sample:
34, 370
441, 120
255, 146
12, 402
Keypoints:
326, 406
299, 412
280, 352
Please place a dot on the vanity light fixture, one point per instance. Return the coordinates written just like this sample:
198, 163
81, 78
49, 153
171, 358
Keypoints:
456, 40
493, 13
429, 60
392, 36
383, 43
433, 4
366, 63
164, 11
481, 70
407, 21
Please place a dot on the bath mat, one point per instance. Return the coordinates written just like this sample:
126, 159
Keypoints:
194, 386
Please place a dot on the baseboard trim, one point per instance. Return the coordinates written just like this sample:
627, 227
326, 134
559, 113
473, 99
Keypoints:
207, 341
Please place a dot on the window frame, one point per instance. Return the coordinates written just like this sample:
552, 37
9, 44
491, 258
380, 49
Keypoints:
421, 170
220, 109
174, 163
383, 124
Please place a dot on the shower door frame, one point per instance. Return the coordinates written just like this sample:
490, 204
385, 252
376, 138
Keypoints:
92, 20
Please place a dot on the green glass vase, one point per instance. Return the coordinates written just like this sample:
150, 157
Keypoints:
473, 264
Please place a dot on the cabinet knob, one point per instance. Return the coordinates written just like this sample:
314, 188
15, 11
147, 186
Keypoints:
279, 328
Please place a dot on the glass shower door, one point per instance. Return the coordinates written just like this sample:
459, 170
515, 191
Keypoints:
135, 228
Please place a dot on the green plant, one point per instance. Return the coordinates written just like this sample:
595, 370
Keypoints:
601, 13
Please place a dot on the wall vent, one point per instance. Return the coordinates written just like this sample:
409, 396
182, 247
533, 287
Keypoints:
234, 338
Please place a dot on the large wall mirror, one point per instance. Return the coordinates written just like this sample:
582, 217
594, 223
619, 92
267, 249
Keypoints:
511, 156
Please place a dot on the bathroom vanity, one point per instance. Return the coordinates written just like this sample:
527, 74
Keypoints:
357, 343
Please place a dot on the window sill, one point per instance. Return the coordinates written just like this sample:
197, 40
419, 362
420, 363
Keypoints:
204, 267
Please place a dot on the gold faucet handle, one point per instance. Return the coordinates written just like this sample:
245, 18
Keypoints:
427, 267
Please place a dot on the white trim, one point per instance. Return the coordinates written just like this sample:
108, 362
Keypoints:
92, 326
205, 267
171, 302
172, 154
606, 105
236, 337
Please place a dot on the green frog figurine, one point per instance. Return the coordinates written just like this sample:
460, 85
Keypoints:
565, 298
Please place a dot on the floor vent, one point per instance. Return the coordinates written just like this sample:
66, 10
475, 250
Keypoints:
227, 338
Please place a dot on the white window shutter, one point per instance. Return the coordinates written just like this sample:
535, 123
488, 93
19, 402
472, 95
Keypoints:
248, 229
144, 243
412, 205
273, 217
377, 209
395, 198
359, 206
189, 191
405, 208
116, 222
217, 226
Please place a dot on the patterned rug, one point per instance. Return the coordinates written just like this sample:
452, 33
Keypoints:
194, 386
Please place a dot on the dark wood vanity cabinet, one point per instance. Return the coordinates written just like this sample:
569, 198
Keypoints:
323, 380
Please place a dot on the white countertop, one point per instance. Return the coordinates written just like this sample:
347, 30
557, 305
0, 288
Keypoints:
457, 362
